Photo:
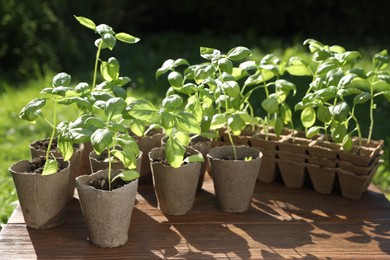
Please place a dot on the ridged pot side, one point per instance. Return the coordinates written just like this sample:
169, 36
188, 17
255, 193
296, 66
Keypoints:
175, 188
41, 197
234, 180
107, 214
75, 169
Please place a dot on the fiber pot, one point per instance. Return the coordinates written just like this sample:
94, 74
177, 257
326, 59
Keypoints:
41, 197
75, 160
234, 180
146, 144
98, 162
175, 188
293, 173
324, 149
322, 178
203, 145
352, 186
107, 214
268, 169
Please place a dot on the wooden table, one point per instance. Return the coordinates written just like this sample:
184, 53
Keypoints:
282, 223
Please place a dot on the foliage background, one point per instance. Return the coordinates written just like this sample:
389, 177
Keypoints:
40, 37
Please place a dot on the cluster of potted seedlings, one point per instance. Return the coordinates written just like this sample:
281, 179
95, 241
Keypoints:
205, 122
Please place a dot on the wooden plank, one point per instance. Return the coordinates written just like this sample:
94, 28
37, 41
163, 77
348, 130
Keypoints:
282, 223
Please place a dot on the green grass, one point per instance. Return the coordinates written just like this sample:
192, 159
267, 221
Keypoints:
140, 63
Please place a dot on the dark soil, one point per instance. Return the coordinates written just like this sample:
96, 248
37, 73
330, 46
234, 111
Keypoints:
165, 162
102, 183
41, 145
37, 165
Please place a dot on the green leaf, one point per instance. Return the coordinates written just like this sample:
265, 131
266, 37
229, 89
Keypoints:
248, 65
101, 139
86, 22
270, 105
114, 106
104, 29
312, 131
347, 143
187, 122
166, 66
196, 109
110, 69
143, 110
236, 124
381, 60
231, 88
50, 167
326, 67
225, 65
128, 160
167, 120
313, 45
128, 143
285, 113
182, 137
323, 114
209, 53
175, 79
279, 126
174, 152
109, 40
361, 98
66, 148
217, 121
239, 53
32, 110
194, 158
61, 79
137, 127
127, 38
244, 116
340, 111
172, 102
127, 176
308, 117
338, 133
298, 67
285, 86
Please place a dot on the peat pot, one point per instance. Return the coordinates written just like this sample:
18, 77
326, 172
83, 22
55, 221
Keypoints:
107, 214
41, 197
99, 162
175, 188
234, 180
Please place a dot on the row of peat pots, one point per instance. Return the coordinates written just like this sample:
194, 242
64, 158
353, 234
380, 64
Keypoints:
296, 159
317, 163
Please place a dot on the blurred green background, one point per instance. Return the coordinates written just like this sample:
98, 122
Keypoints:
40, 38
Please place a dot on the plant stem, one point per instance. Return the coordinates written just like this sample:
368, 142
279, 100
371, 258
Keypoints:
371, 110
232, 143
53, 132
96, 65
357, 126
109, 168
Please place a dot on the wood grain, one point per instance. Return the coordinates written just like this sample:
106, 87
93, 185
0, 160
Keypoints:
281, 223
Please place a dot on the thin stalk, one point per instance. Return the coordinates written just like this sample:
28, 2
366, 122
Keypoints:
53, 132
96, 65
371, 109
357, 126
109, 168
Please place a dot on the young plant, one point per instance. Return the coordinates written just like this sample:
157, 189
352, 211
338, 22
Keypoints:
108, 134
107, 40
176, 123
278, 112
327, 92
199, 102
220, 78
33, 110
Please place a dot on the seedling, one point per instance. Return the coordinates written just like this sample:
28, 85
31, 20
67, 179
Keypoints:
32, 111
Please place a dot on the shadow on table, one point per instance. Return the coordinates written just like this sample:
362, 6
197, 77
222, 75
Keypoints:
321, 216
69, 241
